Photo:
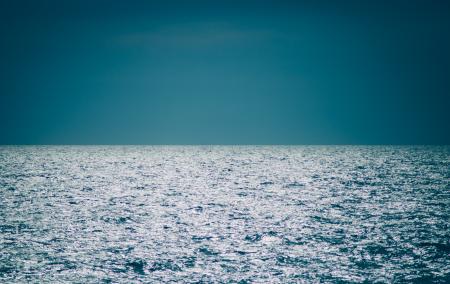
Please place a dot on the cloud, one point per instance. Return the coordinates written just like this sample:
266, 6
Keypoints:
194, 35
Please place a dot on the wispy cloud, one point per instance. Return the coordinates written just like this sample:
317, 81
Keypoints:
194, 35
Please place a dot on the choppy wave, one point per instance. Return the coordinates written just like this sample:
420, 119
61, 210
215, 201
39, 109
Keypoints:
247, 214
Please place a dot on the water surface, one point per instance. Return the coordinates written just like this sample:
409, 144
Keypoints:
228, 214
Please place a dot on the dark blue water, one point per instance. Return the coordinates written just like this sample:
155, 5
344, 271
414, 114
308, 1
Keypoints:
248, 214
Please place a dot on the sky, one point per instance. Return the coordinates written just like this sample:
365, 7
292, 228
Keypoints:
224, 72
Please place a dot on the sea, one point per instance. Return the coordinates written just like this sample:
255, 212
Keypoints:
224, 214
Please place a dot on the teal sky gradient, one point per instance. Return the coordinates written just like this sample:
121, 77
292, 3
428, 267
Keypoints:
224, 72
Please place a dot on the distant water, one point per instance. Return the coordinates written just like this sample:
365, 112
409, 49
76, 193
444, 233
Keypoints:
249, 214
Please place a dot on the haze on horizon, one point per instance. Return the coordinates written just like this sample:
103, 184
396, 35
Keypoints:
224, 72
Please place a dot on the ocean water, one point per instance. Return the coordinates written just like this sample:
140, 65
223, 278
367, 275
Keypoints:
224, 214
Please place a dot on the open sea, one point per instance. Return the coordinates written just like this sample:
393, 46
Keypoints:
224, 214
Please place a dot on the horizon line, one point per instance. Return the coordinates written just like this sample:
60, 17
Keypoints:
198, 145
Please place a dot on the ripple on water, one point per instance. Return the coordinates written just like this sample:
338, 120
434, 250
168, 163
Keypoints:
208, 214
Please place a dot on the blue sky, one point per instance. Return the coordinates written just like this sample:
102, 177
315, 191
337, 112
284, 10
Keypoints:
224, 72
